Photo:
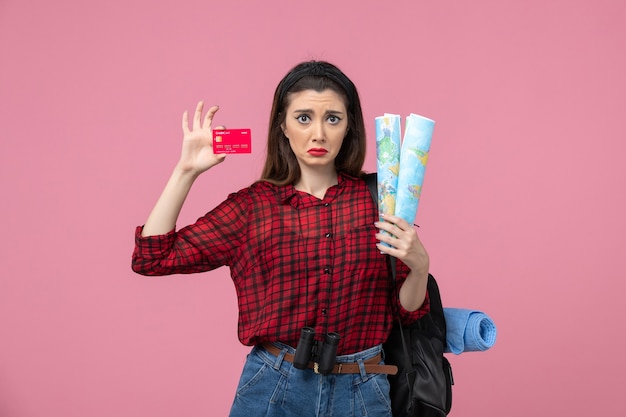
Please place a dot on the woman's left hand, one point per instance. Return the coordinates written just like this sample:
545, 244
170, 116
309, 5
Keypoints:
404, 241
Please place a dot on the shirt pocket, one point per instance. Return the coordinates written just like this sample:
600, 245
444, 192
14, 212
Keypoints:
360, 256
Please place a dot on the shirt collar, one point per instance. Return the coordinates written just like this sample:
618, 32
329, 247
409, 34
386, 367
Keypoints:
289, 195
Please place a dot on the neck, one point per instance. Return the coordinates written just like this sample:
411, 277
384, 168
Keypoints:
316, 183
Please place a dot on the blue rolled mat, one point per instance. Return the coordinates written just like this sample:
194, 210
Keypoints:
468, 330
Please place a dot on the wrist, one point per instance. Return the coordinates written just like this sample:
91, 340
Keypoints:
185, 173
420, 273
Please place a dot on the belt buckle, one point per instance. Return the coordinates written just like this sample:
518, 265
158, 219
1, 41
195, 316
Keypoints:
316, 368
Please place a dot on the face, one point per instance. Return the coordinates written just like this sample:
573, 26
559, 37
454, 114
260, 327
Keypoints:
315, 124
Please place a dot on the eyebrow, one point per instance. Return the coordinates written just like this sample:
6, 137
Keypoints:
311, 111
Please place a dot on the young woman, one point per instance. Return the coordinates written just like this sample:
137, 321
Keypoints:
303, 247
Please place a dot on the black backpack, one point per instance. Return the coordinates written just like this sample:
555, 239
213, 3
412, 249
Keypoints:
423, 385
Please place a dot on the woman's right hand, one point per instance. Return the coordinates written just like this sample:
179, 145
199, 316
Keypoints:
197, 154
196, 157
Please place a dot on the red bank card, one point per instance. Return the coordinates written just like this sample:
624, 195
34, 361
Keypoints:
232, 141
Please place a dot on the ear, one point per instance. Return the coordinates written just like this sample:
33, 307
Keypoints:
283, 127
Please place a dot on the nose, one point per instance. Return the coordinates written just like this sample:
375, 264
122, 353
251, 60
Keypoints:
319, 134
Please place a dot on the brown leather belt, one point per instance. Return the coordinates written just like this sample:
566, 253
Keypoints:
371, 365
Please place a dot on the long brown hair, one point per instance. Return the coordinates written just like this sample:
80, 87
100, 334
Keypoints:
281, 166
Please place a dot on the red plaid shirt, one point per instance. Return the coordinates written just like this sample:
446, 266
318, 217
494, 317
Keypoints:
295, 260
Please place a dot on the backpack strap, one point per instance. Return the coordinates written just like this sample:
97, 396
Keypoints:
372, 183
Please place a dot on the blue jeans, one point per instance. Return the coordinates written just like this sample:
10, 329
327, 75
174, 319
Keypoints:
272, 387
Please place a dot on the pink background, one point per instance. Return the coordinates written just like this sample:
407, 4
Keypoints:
522, 211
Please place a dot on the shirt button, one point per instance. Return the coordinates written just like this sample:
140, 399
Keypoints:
326, 204
328, 234
324, 312
326, 271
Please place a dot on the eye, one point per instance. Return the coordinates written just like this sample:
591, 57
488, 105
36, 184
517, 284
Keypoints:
303, 118
333, 120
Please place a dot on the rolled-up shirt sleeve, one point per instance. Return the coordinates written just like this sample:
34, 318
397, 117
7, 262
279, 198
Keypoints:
211, 242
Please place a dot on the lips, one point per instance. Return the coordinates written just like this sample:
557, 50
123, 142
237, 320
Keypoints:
317, 151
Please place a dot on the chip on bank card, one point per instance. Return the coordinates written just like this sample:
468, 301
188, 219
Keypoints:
232, 141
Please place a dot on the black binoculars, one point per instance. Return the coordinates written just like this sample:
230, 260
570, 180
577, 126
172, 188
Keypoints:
309, 350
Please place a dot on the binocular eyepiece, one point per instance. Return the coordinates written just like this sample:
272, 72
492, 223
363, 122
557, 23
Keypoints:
309, 350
